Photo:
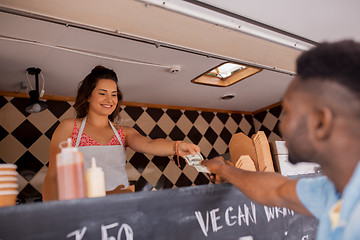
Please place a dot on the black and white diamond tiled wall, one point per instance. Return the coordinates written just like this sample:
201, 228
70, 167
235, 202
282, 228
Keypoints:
25, 140
268, 121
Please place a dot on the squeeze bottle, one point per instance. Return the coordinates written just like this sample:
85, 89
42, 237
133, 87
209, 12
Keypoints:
95, 181
70, 172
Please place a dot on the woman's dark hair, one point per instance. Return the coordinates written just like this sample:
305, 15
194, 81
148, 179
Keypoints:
88, 85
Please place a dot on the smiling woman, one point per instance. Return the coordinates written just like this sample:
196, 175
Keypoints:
90, 83
103, 99
94, 134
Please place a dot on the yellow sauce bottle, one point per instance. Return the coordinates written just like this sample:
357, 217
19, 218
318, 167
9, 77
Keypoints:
95, 181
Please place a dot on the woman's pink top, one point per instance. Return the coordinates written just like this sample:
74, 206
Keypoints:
88, 141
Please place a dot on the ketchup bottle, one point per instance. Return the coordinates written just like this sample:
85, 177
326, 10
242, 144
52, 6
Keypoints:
70, 173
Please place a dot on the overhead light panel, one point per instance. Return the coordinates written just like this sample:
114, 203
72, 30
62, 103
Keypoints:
226, 74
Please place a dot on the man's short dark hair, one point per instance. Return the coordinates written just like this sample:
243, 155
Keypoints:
338, 62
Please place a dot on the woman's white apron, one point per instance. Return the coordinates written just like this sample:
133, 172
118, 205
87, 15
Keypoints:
112, 159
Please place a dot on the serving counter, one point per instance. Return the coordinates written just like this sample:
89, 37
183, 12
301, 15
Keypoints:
201, 212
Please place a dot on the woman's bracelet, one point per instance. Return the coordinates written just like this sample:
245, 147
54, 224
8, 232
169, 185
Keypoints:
176, 151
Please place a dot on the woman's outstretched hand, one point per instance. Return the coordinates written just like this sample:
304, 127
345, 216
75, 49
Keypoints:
187, 149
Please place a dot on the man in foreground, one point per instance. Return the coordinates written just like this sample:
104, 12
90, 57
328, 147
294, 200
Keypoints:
320, 123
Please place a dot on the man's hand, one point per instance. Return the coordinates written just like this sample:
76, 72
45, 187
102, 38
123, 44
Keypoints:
214, 165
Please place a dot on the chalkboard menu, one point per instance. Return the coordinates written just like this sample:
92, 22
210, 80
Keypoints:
202, 212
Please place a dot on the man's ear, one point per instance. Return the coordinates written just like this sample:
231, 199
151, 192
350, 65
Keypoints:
321, 122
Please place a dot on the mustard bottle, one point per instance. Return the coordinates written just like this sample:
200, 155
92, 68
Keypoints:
95, 181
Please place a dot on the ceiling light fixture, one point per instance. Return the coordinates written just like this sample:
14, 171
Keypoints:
35, 105
228, 96
226, 74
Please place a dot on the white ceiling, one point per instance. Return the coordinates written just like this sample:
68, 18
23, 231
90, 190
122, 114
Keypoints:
320, 20
60, 51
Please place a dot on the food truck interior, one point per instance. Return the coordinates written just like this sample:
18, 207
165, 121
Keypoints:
169, 57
